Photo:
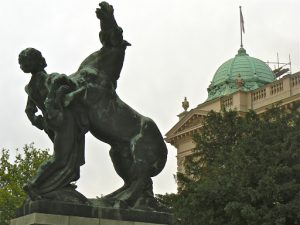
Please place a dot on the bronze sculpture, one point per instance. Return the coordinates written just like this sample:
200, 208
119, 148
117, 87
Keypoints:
87, 101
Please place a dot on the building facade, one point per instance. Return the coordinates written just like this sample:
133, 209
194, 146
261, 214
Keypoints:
242, 83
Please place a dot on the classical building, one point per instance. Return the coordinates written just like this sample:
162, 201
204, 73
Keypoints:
242, 83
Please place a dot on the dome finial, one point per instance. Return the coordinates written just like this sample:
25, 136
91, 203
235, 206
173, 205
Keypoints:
242, 52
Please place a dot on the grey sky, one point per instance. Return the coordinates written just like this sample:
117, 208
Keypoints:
176, 48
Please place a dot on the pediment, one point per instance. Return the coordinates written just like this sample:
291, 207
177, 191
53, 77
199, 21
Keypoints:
191, 121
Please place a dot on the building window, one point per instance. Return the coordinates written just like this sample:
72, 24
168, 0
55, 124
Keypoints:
228, 102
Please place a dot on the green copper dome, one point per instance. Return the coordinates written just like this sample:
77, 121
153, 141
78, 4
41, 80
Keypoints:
240, 73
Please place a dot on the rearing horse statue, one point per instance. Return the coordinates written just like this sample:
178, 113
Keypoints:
87, 101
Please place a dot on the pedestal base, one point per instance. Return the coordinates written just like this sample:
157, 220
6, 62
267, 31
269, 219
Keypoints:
49, 219
45, 212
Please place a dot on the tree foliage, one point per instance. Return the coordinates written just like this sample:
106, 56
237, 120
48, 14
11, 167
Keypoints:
245, 170
13, 176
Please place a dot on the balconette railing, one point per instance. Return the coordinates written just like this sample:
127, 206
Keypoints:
276, 88
259, 94
295, 80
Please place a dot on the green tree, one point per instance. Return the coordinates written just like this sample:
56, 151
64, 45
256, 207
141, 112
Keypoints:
13, 176
245, 171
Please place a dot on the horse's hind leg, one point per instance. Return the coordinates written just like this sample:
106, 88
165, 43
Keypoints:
139, 193
136, 162
122, 160
149, 154
137, 188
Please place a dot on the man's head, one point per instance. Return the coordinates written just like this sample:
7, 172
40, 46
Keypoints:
31, 61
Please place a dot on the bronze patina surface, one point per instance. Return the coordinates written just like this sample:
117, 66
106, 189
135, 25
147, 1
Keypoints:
86, 101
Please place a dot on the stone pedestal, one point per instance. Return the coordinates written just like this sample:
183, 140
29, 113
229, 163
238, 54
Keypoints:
49, 219
56, 213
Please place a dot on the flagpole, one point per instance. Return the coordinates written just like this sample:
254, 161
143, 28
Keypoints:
242, 28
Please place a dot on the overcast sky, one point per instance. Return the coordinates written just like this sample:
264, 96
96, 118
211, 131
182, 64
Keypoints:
176, 48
